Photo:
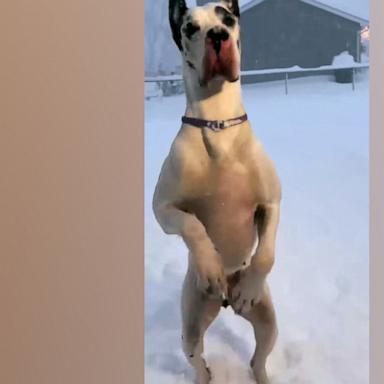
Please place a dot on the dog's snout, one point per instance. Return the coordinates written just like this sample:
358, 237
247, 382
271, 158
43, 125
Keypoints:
217, 35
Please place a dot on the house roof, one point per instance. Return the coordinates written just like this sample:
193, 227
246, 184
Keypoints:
361, 18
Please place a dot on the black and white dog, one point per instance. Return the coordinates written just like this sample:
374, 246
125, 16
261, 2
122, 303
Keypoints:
218, 189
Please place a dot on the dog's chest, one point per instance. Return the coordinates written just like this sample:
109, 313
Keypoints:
230, 184
224, 200
223, 189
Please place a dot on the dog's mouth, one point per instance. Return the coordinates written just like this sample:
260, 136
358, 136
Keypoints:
220, 61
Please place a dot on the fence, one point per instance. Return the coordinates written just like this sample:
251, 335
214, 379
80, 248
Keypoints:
284, 71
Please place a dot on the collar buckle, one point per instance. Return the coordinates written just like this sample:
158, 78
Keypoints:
216, 125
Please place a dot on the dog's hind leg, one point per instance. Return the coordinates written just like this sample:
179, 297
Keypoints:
263, 320
198, 312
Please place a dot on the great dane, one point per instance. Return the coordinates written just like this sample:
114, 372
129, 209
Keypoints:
218, 189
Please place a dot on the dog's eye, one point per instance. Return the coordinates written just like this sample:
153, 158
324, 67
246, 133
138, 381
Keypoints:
229, 21
227, 18
190, 29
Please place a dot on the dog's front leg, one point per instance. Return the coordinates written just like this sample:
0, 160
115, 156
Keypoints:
203, 255
251, 286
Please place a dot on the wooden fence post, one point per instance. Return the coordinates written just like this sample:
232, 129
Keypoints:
286, 83
353, 79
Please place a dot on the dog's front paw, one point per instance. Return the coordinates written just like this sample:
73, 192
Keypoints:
211, 278
248, 291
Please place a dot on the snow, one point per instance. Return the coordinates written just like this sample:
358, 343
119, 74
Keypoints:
152, 90
318, 137
343, 59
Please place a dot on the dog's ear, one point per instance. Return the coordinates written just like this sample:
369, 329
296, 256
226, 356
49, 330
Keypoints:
177, 10
233, 5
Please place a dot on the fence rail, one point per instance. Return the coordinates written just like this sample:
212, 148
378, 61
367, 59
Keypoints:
285, 71
155, 79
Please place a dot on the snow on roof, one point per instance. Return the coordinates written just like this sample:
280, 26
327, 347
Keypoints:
355, 10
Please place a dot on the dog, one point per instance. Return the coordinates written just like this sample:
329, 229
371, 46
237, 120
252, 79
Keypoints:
218, 189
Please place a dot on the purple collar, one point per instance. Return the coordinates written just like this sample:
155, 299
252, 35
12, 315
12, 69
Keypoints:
215, 125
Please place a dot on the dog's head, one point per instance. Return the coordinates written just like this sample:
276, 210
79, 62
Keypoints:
208, 38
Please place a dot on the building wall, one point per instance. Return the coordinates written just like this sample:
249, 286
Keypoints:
281, 33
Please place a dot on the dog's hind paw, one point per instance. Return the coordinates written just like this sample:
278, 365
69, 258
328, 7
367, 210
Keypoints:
261, 377
205, 377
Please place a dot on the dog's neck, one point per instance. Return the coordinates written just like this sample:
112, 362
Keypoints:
218, 100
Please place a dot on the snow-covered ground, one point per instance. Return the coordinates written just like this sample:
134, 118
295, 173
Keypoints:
318, 138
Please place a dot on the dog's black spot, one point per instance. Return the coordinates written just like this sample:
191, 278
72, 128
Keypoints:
226, 17
191, 356
225, 303
244, 263
233, 6
190, 65
190, 29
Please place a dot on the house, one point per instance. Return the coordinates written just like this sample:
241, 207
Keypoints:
306, 33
